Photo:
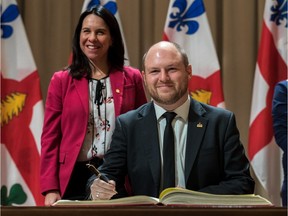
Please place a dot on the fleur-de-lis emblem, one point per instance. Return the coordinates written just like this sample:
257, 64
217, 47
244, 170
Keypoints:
111, 6
279, 12
9, 15
182, 18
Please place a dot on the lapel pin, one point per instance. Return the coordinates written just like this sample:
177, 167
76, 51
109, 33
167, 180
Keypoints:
117, 90
199, 125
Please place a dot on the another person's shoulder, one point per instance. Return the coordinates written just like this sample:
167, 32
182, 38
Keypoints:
131, 70
61, 74
282, 84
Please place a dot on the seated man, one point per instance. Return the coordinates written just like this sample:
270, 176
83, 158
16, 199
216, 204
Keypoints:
209, 156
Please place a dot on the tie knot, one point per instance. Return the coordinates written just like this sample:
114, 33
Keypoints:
169, 116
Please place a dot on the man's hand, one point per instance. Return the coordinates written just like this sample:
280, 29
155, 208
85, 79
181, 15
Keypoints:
101, 190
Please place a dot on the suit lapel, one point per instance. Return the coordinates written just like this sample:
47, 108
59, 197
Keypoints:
151, 142
196, 129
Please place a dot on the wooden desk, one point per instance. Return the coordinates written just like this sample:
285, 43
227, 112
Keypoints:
140, 211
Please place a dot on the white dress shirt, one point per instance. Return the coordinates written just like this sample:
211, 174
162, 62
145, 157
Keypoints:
180, 125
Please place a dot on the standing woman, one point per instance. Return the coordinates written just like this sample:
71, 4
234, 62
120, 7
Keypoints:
82, 103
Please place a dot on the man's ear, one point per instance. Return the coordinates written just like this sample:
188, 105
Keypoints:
143, 76
189, 71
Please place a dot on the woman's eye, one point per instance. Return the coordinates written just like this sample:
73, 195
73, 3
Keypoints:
85, 30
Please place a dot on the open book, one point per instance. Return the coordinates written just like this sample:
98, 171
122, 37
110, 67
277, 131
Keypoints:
177, 197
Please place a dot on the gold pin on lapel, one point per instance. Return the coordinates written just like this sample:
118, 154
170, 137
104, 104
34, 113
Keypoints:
199, 125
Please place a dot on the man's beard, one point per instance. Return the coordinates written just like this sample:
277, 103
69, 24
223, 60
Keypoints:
171, 99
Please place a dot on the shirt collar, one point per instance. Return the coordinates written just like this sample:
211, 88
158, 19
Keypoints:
181, 111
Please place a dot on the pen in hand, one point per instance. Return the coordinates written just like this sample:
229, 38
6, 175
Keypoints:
93, 169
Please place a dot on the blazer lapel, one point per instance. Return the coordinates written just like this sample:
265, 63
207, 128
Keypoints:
117, 85
82, 88
196, 129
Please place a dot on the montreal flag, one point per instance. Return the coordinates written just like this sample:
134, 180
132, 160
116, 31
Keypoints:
21, 113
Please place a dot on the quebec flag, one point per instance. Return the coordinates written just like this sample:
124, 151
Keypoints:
21, 113
187, 25
110, 5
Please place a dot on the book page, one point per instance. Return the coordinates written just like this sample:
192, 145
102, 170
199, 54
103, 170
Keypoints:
180, 196
126, 201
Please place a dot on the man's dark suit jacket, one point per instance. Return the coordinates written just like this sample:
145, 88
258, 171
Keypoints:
215, 158
279, 114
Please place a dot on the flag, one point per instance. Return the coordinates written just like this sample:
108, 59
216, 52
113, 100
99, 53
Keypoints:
110, 5
21, 113
187, 25
271, 67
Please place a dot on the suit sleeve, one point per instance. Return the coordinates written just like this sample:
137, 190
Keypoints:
279, 113
235, 174
114, 162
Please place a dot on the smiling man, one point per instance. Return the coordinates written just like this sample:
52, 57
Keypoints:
166, 75
207, 154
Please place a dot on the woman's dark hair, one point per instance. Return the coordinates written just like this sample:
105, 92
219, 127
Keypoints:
80, 66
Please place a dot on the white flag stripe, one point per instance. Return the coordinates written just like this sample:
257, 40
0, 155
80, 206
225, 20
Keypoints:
16, 63
260, 90
273, 167
14, 177
36, 123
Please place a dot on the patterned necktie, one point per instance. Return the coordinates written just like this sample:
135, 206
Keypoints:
168, 152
